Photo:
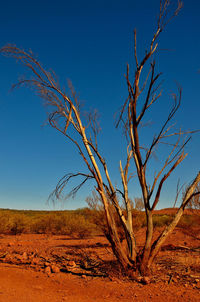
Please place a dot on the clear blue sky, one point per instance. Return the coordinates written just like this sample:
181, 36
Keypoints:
90, 43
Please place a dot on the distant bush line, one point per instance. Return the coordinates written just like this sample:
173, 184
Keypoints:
74, 223
80, 223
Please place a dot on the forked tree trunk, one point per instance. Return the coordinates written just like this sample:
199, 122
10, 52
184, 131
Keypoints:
112, 236
117, 247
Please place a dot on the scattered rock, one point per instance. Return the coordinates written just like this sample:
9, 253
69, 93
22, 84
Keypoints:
35, 260
25, 256
145, 280
19, 257
138, 279
6, 258
83, 276
10, 244
55, 269
47, 270
71, 263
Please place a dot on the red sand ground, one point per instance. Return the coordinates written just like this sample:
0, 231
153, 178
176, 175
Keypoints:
27, 262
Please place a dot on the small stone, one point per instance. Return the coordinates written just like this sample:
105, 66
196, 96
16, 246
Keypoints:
10, 244
47, 270
19, 257
55, 269
35, 260
38, 287
138, 279
71, 263
7, 256
25, 256
83, 276
145, 280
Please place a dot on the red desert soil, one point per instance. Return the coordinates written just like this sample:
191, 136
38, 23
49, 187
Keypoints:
37, 268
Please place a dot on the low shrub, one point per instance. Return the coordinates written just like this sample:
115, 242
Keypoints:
47, 224
80, 223
63, 224
77, 225
4, 223
18, 223
189, 221
161, 220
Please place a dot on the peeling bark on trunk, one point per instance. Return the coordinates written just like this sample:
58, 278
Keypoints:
113, 235
131, 248
147, 248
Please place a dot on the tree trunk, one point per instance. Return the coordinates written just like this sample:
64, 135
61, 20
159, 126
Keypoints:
144, 270
112, 235
159, 242
114, 240
169, 229
131, 247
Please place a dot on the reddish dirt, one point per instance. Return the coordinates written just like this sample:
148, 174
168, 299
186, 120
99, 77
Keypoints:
85, 270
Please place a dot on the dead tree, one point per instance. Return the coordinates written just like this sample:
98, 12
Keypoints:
144, 94
66, 117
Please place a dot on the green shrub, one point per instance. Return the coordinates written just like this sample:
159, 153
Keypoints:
17, 224
80, 223
48, 224
161, 220
77, 225
62, 224
4, 223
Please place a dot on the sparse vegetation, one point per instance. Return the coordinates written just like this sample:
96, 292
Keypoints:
72, 223
79, 223
189, 222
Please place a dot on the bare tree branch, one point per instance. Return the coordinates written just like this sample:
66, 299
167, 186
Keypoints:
63, 183
159, 136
